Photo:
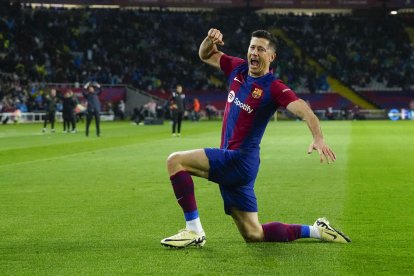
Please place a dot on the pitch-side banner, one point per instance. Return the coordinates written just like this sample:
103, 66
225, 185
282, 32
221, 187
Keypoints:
305, 4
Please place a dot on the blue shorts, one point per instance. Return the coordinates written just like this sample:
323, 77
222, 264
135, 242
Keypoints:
235, 171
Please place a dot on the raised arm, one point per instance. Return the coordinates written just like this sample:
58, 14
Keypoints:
208, 51
301, 109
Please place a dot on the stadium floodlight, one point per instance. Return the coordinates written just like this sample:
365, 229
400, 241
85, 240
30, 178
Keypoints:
394, 12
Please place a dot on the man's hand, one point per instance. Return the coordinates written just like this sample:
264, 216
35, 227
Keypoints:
208, 51
324, 151
215, 36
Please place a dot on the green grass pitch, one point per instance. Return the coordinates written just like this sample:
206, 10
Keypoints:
73, 205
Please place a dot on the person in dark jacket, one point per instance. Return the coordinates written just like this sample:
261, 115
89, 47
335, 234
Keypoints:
177, 106
94, 106
68, 112
50, 107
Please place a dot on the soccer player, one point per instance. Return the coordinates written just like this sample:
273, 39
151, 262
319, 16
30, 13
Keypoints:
254, 95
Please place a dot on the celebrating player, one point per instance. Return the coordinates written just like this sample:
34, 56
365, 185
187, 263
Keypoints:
254, 95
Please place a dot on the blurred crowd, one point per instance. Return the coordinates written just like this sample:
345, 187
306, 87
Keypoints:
156, 49
362, 52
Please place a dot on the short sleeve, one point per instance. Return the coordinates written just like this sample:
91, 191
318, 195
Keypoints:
229, 63
282, 95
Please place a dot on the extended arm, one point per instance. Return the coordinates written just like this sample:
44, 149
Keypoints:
301, 109
208, 51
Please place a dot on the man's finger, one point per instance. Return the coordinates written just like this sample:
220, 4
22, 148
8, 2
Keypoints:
310, 149
211, 33
332, 155
321, 154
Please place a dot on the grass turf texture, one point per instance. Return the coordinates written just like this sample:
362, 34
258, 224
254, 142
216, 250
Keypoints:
76, 205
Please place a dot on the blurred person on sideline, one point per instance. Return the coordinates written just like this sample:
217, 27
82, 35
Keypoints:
177, 105
93, 109
121, 110
150, 108
68, 112
196, 110
50, 102
211, 111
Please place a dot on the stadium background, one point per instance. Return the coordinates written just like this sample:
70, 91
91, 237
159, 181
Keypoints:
336, 54
73, 205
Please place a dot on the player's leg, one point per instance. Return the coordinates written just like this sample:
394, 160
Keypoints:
46, 118
88, 122
179, 120
181, 165
252, 231
248, 225
64, 123
52, 121
73, 122
97, 123
68, 125
174, 120
194, 162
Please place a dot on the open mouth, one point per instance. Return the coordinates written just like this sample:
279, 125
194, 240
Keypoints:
254, 63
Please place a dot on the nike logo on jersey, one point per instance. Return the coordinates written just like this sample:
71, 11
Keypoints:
236, 79
285, 90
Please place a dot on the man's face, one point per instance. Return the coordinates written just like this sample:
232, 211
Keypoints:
53, 92
179, 89
91, 89
259, 56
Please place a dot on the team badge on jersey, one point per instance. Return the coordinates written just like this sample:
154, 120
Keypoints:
257, 93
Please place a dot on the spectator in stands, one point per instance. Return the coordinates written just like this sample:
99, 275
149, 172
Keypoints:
211, 111
344, 113
356, 113
341, 50
50, 101
195, 113
177, 105
329, 114
121, 110
93, 89
150, 109
138, 115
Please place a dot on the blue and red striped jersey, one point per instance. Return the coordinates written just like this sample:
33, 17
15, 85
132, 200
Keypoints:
251, 102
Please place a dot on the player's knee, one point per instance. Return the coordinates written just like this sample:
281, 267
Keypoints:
252, 236
173, 161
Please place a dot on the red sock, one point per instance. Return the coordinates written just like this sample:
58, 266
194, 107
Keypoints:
183, 186
280, 232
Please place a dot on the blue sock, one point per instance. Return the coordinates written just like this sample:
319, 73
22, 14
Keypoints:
305, 231
191, 215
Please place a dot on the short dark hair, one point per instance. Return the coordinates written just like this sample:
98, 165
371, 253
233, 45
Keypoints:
266, 35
